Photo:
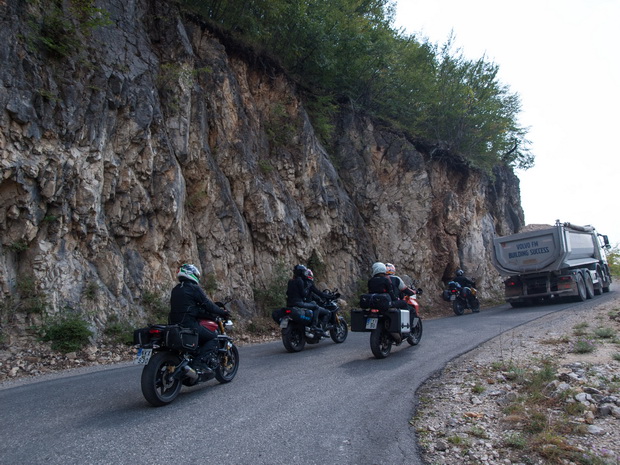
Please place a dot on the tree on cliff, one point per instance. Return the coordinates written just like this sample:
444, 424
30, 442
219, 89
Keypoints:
349, 51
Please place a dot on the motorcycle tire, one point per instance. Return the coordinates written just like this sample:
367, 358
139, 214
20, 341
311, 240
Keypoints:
458, 307
293, 338
159, 388
340, 332
475, 305
380, 343
416, 333
228, 366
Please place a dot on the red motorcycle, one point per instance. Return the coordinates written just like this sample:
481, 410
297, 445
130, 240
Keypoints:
169, 355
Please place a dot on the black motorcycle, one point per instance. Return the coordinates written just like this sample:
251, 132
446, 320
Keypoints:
169, 355
387, 326
296, 329
462, 298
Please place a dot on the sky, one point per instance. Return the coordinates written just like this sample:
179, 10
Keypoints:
562, 57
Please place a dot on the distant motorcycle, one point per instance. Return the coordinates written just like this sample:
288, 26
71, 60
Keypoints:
387, 326
462, 298
169, 355
296, 329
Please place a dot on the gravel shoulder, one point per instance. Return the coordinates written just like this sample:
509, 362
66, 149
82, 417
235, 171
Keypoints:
486, 408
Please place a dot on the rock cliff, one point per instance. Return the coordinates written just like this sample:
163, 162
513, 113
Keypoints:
153, 141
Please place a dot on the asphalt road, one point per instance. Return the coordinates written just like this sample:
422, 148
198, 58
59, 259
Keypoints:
329, 404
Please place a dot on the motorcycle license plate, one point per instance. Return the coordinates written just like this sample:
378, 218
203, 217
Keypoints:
284, 323
371, 323
143, 356
453, 297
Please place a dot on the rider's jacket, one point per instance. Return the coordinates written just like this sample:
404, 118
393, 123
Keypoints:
188, 302
301, 290
382, 285
463, 281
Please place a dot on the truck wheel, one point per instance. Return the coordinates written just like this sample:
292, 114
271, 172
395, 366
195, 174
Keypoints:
606, 281
589, 285
581, 289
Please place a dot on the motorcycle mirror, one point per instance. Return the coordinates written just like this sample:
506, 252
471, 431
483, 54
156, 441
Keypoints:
419, 291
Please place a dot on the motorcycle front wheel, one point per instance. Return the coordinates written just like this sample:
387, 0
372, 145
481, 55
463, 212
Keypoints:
159, 387
293, 338
380, 343
416, 333
339, 332
458, 307
228, 365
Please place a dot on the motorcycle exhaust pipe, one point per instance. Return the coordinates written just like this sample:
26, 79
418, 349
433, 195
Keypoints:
190, 373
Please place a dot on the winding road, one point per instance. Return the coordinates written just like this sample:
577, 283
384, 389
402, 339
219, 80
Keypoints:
329, 404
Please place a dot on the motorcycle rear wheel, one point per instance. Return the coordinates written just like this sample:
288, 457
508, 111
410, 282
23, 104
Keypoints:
416, 333
380, 343
458, 307
159, 388
228, 366
340, 332
293, 338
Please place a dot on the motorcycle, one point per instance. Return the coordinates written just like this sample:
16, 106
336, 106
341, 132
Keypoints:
462, 298
388, 326
296, 329
169, 355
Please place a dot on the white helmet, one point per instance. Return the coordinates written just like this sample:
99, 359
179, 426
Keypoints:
378, 268
190, 272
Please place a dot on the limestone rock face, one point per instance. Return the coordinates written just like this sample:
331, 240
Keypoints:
156, 142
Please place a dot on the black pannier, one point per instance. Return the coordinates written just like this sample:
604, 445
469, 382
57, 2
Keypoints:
380, 302
141, 336
445, 295
358, 320
180, 338
277, 314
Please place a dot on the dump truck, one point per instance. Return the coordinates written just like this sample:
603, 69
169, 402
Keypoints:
564, 260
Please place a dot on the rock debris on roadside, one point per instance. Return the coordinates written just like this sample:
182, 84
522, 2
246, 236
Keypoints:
487, 408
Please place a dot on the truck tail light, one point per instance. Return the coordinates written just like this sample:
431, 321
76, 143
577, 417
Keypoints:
565, 282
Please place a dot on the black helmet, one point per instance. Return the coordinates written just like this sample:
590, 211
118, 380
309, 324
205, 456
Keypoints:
299, 271
460, 272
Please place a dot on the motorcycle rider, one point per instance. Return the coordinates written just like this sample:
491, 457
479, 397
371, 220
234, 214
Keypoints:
402, 288
380, 283
300, 291
466, 284
188, 304
323, 313
398, 283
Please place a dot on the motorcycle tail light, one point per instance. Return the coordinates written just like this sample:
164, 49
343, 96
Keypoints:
287, 311
155, 332
374, 310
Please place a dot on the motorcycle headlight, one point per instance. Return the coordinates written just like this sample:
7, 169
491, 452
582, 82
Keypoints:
228, 325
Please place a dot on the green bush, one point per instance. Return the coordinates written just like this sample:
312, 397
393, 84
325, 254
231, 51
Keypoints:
67, 333
31, 300
273, 295
156, 305
119, 331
